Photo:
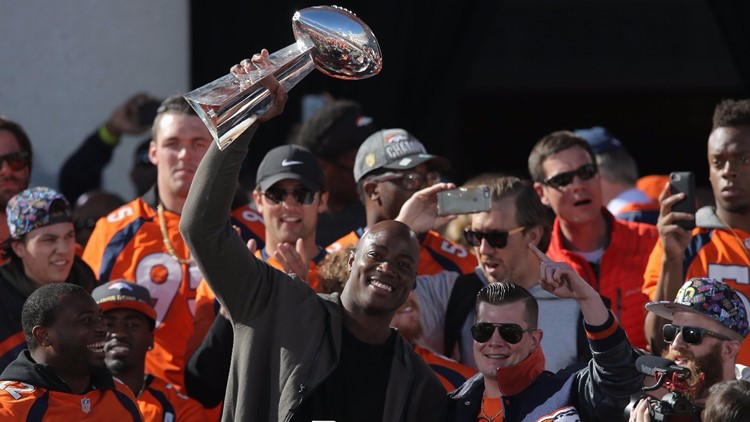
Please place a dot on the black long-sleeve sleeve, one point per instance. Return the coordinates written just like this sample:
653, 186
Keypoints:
207, 371
82, 171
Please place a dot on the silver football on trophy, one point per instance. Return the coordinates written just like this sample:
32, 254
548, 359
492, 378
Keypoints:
329, 38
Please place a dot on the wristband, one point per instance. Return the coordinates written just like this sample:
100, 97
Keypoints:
107, 136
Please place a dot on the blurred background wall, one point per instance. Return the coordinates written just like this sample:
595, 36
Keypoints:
468, 79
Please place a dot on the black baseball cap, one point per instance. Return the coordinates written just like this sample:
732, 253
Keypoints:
290, 162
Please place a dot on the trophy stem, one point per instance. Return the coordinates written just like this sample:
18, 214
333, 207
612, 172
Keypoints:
231, 104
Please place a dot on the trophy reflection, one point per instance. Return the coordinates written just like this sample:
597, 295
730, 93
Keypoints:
329, 38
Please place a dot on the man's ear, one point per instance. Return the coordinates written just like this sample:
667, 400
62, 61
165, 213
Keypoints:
18, 248
539, 188
536, 338
152, 152
730, 350
42, 335
323, 203
257, 199
370, 189
535, 234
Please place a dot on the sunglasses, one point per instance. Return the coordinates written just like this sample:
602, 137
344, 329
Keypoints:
691, 335
497, 240
16, 160
560, 180
277, 195
511, 333
411, 181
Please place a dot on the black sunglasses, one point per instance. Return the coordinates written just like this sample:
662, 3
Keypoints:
691, 335
16, 160
411, 181
497, 240
560, 180
511, 333
277, 195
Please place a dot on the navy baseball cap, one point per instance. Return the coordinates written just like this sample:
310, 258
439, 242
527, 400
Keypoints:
123, 294
600, 139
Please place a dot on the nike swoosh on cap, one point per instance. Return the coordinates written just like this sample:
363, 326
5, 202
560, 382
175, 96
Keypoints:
287, 163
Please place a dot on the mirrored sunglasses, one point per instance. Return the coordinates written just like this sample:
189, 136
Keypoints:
16, 160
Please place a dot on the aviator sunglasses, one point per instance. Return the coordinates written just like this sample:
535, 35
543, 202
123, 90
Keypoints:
511, 333
561, 180
16, 160
277, 195
496, 239
691, 335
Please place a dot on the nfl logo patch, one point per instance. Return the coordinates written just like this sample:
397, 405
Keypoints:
86, 405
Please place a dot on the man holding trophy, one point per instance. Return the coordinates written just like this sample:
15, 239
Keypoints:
297, 355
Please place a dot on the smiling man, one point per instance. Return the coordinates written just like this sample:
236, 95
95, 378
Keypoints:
130, 318
62, 375
512, 384
41, 249
608, 253
297, 355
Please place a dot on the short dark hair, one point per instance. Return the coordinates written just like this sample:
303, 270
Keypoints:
530, 211
503, 293
728, 401
731, 113
335, 129
176, 104
43, 306
552, 144
24, 143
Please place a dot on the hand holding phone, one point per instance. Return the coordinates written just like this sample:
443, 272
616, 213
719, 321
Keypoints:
463, 200
683, 181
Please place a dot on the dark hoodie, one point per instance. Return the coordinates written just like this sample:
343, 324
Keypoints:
104, 399
15, 287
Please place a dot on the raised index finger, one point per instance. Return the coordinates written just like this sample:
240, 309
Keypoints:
539, 254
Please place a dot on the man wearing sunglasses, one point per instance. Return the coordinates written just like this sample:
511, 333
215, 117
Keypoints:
718, 246
390, 166
15, 165
610, 254
707, 323
499, 239
298, 355
513, 385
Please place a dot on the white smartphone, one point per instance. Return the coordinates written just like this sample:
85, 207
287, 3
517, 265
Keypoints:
463, 200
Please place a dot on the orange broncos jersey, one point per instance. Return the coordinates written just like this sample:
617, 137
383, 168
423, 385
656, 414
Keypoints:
160, 401
128, 244
713, 253
436, 253
24, 402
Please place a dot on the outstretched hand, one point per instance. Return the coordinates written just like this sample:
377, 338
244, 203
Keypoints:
420, 211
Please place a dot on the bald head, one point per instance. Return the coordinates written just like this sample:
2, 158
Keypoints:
392, 229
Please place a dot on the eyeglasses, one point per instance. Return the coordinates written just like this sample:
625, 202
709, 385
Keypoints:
16, 160
497, 240
411, 181
561, 180
511, 333
691, 335
277, 195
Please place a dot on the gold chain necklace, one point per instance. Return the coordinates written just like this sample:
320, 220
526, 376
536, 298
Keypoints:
484, 416
736, 236
165, 238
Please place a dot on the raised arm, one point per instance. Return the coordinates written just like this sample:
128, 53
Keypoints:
233, 273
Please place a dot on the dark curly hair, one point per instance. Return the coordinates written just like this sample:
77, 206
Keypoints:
731, 113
